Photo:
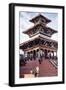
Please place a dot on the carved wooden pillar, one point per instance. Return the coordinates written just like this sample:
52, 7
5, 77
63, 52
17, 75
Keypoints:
53, 54
56, 54
50, 55
45, 53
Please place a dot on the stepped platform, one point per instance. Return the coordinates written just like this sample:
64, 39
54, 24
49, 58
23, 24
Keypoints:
46, 68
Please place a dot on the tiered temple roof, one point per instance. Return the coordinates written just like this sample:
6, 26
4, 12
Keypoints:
40, 28
40, 17
39, 41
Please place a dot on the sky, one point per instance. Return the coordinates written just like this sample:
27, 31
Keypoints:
26, 24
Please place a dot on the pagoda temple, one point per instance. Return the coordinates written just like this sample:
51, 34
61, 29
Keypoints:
40, 52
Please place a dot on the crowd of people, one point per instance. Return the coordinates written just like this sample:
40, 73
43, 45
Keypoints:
39, 55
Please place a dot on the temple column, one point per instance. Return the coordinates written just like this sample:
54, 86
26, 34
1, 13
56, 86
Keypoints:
49, 54
28, 55
25, 55
45, 53
34, 54
38, 54
53, 54
56, 54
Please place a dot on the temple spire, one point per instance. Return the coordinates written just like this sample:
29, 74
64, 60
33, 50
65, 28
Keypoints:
40, 19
